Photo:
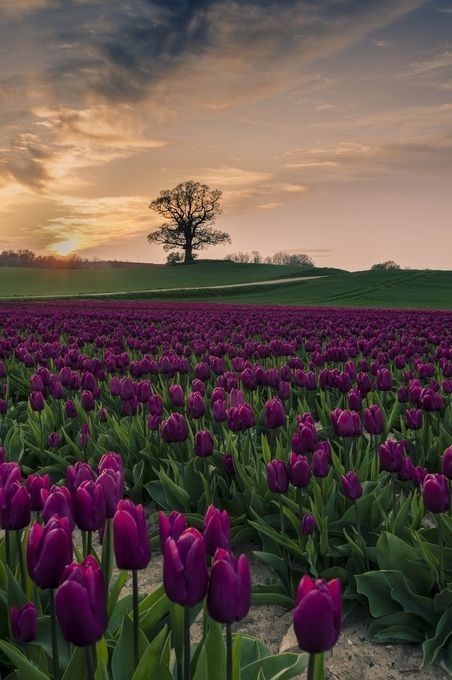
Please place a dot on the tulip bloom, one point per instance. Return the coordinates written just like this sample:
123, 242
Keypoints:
185, 575
15, 506
131, 537
78, 473
346, 423
305, 439
277, 476
24, 622
308, 524
435, 493
374, 420
80, 603
89, 506
204, 443
217, 530
174, 429
317, 617
37, 402
392, 454
275, 415
229, 593
413, 418
57, 501
34, 485
172, 526
321, 462
351, 486
176, 395
299, 470
196, 405
446, 463
112, 485
49, 550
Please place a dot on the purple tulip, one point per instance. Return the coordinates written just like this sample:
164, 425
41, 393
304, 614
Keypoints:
355, 400
407, 471
174, 429
346, 423
391, 455
275, 415
80, 604
321, 462
219, 411
54, 440
15, 506
351, 485
176, 395
24, 622
413, 418
446, 463
305, 439
172, 526
49, 550
3, 407
228, 463
374, 420
217, 530
185, 575
57, 501
240, 417
70, 410
430, 400
34, 485
112, 484
435, 493
89, 506
277, 476
308, 524
229, 593
127, 390
299, 470
78, 473
131, 537
37, 402
196, 405
204, 443
384, 379
87, 400
155, 405
317, 617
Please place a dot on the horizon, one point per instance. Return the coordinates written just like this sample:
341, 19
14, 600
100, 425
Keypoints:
327, 125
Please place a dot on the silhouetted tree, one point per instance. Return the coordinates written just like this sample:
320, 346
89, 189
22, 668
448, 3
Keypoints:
389, 264
190, 210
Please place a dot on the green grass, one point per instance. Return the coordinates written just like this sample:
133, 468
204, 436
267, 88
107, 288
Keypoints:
401, 289
20, 282
398, 289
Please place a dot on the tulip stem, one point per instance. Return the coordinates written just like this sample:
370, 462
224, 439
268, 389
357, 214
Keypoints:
55, 655
89, 663
316, 669
89, 543
281, 517
7, 549
441, 574
106, 555
228, 651
136, 620
187, 660
23, 581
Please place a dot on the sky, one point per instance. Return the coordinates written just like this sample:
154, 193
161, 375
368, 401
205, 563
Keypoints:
327, 124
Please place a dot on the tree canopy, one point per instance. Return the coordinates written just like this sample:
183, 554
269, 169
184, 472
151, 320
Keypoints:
190, 210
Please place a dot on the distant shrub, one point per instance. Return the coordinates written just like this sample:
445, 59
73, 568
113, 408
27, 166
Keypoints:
388, 265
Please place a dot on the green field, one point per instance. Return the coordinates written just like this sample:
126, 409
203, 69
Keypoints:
396, 289
21, 282
401, 289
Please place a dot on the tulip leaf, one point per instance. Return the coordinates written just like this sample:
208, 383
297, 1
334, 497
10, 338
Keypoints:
277, 667
150, 661
115, 591
122, 658
101, 671
215, 650
177, 498
24, 666
433, 646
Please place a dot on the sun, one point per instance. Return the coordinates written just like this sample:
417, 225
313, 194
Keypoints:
65, 247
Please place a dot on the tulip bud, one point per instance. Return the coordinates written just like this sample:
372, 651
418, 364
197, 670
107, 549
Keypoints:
196, 406
89, 506
112, 485
174, 429
346, 423
308, 524
78, 473
228, 463
185, 575
176, 395
217, 530
34, 485
172, 526
374, 420
277, 476
321, 461
229, 594
53, 440
15, 506
384, 379
317, 617
446, 463
413, 418
204, 443
80, 605
351, 485
70, 409
435, 493
299, 470
391, 455
37, 402
305, 439
130, 537
24, 622
219, 411
57, 502
87, 400
355, 400
49, 550
275, 415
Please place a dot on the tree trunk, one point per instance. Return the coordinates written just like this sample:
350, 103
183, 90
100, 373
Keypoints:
188, 253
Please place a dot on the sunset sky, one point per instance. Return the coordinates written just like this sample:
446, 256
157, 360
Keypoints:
327, 125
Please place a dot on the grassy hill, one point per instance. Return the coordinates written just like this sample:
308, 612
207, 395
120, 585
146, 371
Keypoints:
396, 289
22, 282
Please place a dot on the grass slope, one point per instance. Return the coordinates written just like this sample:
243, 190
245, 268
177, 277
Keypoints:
401, 289
20, 282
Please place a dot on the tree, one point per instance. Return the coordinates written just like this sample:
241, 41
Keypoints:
281, 257
388, 265
190, 210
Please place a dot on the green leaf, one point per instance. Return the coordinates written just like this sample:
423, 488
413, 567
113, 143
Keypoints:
176, 496
215, 650
150, 661
115, 591
434, 645
277, 667
122, 658
26, 668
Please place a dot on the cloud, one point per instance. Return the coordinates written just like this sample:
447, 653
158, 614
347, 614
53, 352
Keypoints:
383, 43
270, 206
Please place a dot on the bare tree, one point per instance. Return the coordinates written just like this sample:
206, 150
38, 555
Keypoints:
190, 210
389, 264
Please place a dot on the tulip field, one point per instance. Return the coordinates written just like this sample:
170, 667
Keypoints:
316, 441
